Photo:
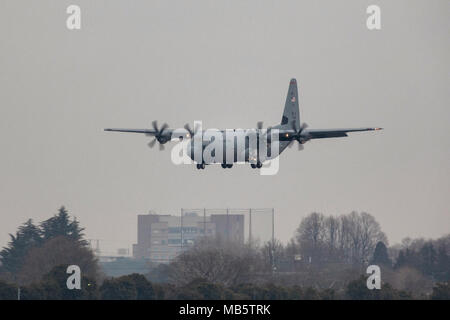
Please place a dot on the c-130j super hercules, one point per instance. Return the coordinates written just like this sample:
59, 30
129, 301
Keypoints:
284, 134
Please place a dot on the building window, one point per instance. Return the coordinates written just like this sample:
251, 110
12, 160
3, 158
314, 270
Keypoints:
174, 229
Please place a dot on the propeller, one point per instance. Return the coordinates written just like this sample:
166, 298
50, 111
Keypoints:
298, 135
259, 126
158, 135
191, 132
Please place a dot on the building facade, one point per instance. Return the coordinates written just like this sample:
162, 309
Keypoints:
162, 237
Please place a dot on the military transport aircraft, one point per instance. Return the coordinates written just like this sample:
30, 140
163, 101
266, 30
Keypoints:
287, 132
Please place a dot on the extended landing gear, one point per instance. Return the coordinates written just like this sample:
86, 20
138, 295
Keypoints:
201, 165
256, 165
224, 165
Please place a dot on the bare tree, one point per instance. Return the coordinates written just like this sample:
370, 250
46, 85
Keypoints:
311, 236
216, 260
351, 238
371, 234
361, 234
332, 225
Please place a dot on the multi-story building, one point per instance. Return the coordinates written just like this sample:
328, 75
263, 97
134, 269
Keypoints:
162, 237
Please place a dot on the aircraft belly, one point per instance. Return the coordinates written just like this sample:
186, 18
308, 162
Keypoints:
230, 147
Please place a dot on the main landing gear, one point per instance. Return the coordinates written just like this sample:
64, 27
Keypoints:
224, 165
201, 165
256, 165
228, 166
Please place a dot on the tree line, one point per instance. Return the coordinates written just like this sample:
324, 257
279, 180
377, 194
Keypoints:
138, 287
326, 259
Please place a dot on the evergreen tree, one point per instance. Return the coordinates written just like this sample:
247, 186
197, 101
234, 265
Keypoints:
55, 252
30, 238
401, 260
26, 238
380, 255
53, 286
61, 225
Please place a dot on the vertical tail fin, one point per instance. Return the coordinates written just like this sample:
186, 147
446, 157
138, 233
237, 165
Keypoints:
291, 114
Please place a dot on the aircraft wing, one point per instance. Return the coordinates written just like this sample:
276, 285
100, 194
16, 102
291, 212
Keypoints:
334, 133
149, 132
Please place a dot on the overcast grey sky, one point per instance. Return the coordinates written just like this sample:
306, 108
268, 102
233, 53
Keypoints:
227, 63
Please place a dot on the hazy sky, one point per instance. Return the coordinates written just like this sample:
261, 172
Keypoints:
227, 63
